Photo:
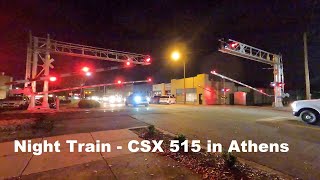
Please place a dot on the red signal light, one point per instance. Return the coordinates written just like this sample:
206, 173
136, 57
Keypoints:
128, 63
225, 89
281, 84
149, 79
119, 81
85, 69
234, 44
148, 59
52, 78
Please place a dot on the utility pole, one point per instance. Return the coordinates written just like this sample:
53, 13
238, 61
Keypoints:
306, 66
224, 91
184, 82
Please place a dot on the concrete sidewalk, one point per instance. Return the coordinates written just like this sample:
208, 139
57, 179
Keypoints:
117, 164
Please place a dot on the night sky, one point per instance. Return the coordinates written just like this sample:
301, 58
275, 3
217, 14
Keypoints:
153, 27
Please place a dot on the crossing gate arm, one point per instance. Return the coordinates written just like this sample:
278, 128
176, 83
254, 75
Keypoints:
238, 82
91, 86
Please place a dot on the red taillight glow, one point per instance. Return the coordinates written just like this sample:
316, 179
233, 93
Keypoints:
119, 81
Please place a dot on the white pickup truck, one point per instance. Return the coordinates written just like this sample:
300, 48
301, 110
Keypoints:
307, 110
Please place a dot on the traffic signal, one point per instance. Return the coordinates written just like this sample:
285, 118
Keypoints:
52, 78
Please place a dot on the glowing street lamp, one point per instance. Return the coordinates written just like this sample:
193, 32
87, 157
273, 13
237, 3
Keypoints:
175, 56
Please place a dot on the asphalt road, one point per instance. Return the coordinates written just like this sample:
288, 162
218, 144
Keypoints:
220, 124
223, 124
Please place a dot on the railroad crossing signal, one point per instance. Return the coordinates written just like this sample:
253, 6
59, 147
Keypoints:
245, 51
43, 47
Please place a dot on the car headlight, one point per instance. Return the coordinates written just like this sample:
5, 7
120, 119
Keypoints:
119, 99
293, 105
137, 99
112, 99
96, 98
148, 99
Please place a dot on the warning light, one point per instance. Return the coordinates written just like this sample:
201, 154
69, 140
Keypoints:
272, 84
85, 69
148, 59
128, 63
119, 81
225, 89
234, 44
52, 78
149, 80
280, 84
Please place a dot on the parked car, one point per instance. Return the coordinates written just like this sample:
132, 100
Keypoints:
16, 102
155, 100
307, 110
137, 99
169, 99
51, 101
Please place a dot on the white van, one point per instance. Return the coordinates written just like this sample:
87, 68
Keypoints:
168, 99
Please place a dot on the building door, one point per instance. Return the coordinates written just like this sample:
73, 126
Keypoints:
200, 98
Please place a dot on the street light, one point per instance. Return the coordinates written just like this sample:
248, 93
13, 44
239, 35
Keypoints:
175, 55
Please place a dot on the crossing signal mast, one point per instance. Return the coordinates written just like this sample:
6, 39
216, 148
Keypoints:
42, 48
275, 60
